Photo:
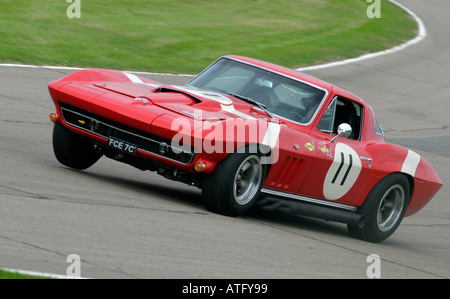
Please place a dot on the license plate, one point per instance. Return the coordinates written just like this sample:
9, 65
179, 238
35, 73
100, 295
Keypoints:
122, 146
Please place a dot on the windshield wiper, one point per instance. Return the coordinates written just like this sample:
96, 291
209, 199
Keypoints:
252, 101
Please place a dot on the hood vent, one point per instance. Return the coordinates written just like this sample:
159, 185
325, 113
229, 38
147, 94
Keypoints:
169, 89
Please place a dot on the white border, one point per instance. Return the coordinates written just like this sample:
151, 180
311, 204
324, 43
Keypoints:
422, 33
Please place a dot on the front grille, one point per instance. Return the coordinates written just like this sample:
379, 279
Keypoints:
107, 128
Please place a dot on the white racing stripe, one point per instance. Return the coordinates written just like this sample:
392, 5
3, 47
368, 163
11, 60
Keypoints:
273, 130
215, 96
272, 134
232, 110
411, 162
133, 78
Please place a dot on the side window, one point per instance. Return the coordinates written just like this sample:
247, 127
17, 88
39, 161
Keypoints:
340, 111
378, 129
327, 120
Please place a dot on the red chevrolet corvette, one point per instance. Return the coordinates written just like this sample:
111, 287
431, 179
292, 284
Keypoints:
247, 132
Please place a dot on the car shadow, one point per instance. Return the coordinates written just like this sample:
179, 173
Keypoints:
171, 191
289, 220
184, 195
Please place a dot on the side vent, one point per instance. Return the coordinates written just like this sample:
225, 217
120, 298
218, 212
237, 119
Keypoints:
286, 174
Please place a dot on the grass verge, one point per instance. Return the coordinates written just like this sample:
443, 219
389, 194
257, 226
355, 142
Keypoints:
15, 275
185, 36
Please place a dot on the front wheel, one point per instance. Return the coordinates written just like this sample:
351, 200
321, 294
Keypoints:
383, 209
234, 185
73, 150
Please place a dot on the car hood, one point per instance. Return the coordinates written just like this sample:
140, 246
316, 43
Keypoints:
187, 101
145, 104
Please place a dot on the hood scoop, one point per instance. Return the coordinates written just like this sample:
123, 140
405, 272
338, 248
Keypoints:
172, 89
200, 95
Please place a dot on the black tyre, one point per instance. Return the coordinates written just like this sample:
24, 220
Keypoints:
234, 185
73, 150
383, 209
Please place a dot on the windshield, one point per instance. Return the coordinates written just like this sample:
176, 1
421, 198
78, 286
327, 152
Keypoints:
281, 95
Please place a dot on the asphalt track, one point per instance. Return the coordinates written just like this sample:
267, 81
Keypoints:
124, 223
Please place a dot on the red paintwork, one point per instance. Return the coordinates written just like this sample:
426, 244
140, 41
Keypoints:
301, 171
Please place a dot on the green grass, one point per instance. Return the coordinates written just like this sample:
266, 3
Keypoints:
14, 275
184, 36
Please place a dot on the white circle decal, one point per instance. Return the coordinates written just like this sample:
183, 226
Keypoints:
343, 172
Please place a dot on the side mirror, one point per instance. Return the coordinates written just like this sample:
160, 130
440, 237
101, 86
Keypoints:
344, 130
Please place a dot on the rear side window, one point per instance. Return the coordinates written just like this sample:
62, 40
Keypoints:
378, 129
340, 111
327, 120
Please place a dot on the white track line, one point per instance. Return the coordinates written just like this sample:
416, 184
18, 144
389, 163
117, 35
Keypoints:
51, 67
422, 33
40, 274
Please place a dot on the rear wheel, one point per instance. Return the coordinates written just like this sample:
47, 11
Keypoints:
383, 209
73, 150
234, 185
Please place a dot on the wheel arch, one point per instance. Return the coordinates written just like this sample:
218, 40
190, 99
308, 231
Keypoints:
377, 179
218, 187
388, 159
263, 150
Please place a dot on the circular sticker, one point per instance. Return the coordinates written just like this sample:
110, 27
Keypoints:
343, 172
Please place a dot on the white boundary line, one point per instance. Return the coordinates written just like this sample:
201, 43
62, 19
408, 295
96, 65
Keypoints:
422, 33
40, 274
420, 36
51, 67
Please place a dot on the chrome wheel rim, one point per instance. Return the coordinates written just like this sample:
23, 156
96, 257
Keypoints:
247, 180
390, 208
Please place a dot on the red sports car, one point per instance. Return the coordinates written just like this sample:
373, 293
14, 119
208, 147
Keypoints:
247, 132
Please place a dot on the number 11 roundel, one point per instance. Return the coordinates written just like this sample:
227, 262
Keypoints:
343, 172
